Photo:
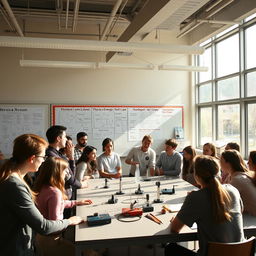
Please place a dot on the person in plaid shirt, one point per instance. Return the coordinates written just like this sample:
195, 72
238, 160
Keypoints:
81, 138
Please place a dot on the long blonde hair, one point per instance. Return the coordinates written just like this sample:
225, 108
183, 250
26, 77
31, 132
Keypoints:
207, 168
51, 172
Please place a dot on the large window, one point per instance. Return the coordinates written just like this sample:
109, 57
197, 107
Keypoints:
226, 94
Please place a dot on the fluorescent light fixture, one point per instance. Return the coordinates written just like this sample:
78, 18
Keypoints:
56, 64
92, 45
103, 65
183, 68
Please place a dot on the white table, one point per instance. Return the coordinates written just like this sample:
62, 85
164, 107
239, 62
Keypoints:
143, 231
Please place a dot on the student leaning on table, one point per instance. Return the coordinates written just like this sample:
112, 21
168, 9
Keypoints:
215, 208
19, 217
51, 200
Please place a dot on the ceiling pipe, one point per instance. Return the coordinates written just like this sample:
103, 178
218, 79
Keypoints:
212, 10
67, 10
12, 17
76, 10
111, 18
3, 12
220, 22
93, 45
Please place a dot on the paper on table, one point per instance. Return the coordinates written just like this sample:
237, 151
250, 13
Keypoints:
174, 207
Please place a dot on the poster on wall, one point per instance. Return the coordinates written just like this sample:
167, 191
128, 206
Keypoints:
17, 119
126, 125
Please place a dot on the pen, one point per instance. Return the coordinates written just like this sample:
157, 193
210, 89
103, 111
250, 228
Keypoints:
166, 208
153, 216
172, 219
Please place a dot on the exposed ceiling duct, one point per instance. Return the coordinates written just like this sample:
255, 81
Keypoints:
91, 45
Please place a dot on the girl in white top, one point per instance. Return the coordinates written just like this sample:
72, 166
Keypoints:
86, 165
109, 163
232, 162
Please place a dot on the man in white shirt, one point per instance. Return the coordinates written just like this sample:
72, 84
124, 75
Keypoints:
144, 156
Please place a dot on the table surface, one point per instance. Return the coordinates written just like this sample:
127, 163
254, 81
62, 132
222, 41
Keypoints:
143, 231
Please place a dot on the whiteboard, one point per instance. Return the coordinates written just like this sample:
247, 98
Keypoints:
17, 119
125, 125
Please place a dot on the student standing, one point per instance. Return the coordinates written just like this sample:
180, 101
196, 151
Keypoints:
231, 161
169, 161
82, 139
215, 208
19, 217
57, 139
144, 156
109, 163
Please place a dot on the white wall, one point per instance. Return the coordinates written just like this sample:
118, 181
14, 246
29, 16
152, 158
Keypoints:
85, 86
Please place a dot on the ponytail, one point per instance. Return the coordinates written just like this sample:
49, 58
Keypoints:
207, 168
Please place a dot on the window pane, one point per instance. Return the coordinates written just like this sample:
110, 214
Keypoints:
205, 60
205, 125
228, 56
229, 123
226, 30
251, 84
205, 93
250, 17
250, 53
251, 127
228, 88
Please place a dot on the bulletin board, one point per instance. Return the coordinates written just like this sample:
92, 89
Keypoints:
125, 125
17, 119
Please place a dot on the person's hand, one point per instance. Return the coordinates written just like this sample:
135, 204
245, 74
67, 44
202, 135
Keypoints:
70, 150
84, 184
84, 202
117, 175
159, 172
75, 220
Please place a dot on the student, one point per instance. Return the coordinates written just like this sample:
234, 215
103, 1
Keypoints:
252, 165
109, 163
57, 139
142, 155
19, 217
51, 200
209, 149
215, 208
232, 145
189, 154
82, 139
232, 162
169, 161
225, 177
87, 165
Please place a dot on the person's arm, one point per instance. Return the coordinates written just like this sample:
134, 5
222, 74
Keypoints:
20, 202
55, 205
152, 163
159, 170
176, 225
80, 170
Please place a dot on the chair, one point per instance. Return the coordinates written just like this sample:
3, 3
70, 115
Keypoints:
245, 248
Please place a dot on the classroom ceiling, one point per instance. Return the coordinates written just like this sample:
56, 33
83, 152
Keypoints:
115, 20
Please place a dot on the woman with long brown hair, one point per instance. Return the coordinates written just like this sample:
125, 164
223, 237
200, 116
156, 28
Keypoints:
215, 208
189, 154
19, 217
232, 162
252, 165
51, 200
